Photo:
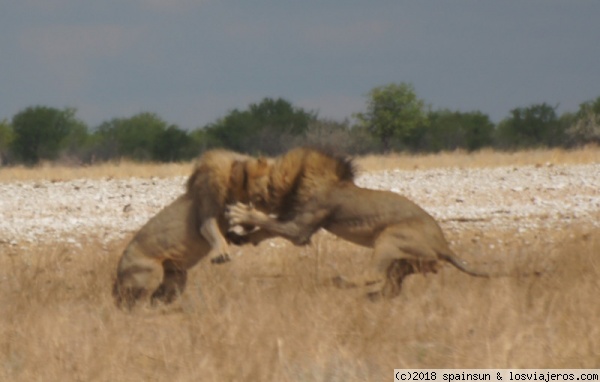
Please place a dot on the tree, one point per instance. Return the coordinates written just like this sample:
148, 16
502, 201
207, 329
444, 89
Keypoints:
75, 146
393, 114
279, 116
134, 138
264, 127
534, 126
234, 131
41, 132
450, 130
6, 138
590, 106
584, 126
203, 139
173, 145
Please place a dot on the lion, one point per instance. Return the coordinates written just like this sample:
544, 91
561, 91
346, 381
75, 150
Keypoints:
309, 189
220, 177
155, 262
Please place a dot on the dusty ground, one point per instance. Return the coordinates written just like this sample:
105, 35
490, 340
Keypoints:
522, 197
268, 316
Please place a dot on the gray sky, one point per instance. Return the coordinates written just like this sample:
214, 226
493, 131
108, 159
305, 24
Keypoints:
192, 62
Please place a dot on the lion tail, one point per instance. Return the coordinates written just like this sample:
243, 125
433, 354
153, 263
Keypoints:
463, 266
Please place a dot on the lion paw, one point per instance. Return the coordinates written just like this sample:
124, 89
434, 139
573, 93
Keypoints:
236, 238
220, 259
237, 213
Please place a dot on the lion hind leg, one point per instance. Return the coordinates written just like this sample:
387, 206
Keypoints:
137, 277
375, 276
173, 285
393, 260
395, 274
219, 252
389, 268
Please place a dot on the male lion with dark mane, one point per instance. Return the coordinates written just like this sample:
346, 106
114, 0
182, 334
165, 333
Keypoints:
309, 189
156, 261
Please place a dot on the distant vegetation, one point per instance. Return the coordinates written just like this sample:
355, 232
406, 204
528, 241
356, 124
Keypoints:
395, 120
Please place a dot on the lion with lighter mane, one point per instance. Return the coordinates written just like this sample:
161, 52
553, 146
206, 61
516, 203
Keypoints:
154, 264
219, 178
308, 189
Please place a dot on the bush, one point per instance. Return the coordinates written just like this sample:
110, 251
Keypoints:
531, 127
450, 130
41, 133
585, 127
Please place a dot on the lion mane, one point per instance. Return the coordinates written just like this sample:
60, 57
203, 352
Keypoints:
300, 175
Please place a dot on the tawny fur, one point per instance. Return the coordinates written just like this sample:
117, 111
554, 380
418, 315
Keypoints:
154, 265
309, 190
296, 177
219, 178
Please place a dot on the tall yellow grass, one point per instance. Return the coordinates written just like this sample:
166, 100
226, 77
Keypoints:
238, 321
483, 158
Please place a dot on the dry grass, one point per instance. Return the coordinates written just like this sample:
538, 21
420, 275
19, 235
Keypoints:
117, 170
239, 322
484, 158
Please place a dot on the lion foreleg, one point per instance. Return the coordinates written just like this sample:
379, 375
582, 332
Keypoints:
298, 230
240, 213
219, 252
255, 238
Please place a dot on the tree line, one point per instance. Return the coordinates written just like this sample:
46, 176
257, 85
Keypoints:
395, 119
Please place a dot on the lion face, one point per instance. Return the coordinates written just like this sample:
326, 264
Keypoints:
257, 173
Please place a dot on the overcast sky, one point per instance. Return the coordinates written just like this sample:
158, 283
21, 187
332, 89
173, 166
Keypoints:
192, 62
